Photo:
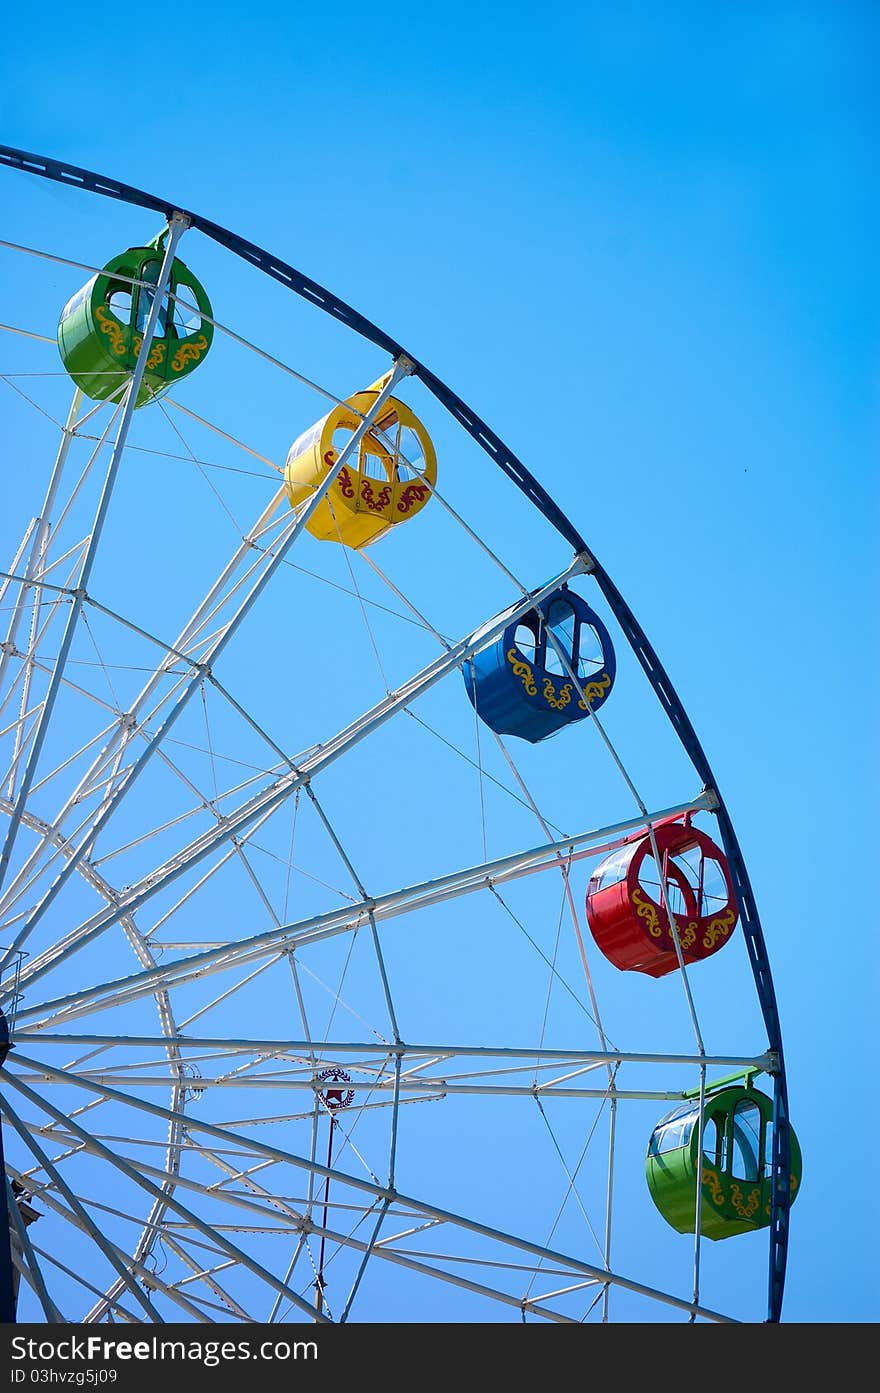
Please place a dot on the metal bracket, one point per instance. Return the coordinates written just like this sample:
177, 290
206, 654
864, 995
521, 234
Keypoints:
587, 561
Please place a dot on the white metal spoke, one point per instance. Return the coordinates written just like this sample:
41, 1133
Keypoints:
77, 1209
290, 533
418, 1206
169, 1200
206, 1276
78, 1277
145, 956
176, 229
423, 1086
59, 594
268, 800
320, 927
31, 1268
134, 1269
373, 1057
134, 281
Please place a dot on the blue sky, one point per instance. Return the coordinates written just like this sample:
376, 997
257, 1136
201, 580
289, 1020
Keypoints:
640, 241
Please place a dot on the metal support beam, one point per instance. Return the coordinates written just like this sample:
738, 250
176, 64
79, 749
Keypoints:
327, 1049
382, 1192
267, 800
322, 926
292, 532
7, 1280
177, 227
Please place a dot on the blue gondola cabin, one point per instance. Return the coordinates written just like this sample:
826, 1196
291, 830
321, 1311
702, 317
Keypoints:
522, 684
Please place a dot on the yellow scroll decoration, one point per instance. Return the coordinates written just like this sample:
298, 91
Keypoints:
560, 702
108, 325
687, 937
745, 1208
190, 351
593, 690
157, 351
711, 1179
719, 928
522, 671
647, 911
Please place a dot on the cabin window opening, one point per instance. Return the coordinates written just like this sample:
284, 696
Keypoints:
374, 462
714, 893
187, 317
672, 1134
341, 437
613, 871
380, 449
768, 1149
706, 879
560, 639
370, 460
712, 1141
146, 295
746, 1155
590, 654
119, 303
409, 457
526, 640
649, 881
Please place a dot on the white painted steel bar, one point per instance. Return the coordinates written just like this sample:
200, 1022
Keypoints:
368, 1250
275, 795
196, 1124
58, 593
360, 887
176, 228
264, 459
609, 1199
85, 1222
206, 1276
89, 1286
97, 1148
166, 1018
292, 532
10, 577
443, 1087
411, 1262
31, 1270
26, 333
123, 728
560, 1291
184, 303
34, 570
135, 1268
335, 921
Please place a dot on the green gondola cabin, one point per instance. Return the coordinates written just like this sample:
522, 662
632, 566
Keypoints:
734, 1163
102, 326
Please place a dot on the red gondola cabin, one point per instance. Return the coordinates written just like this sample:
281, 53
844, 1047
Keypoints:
625, 909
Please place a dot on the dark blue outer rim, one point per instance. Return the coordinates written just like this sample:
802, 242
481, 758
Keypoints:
495, 447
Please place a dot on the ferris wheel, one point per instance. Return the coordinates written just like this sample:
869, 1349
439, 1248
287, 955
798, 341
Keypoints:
376, 942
